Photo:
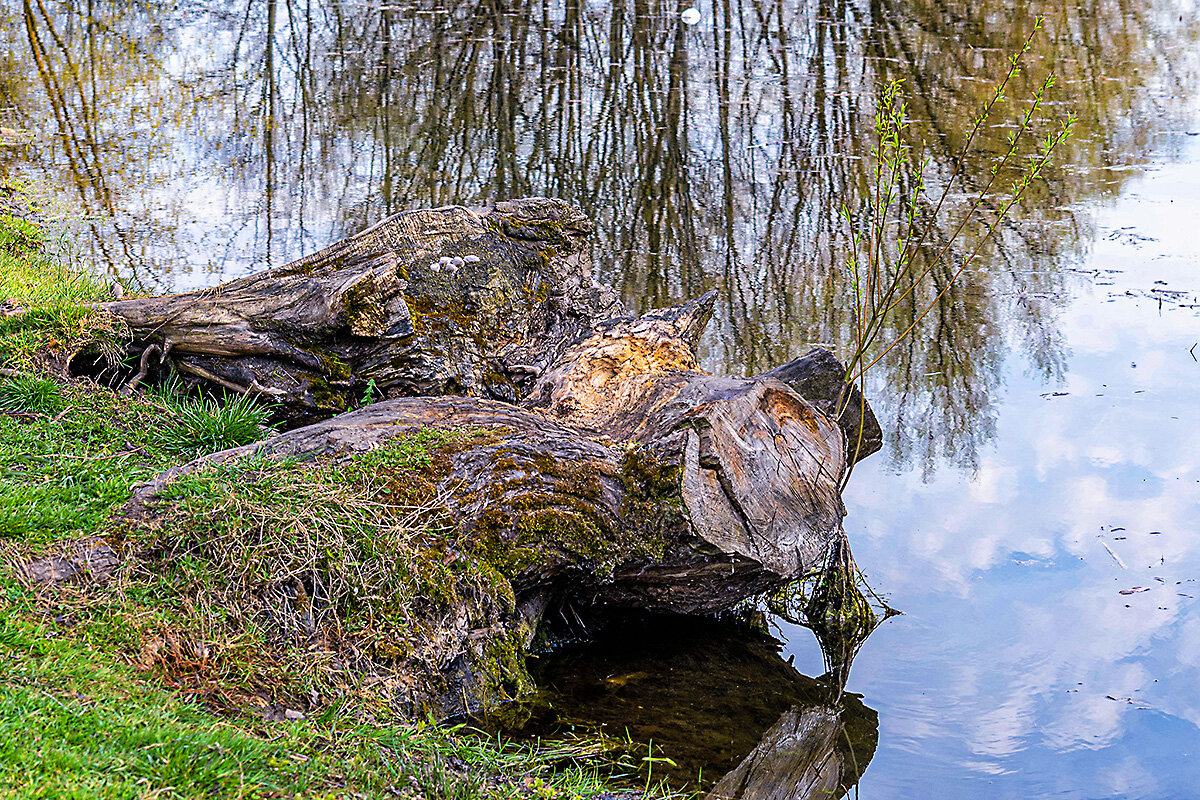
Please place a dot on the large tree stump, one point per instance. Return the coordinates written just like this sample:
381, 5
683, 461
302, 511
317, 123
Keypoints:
615, 472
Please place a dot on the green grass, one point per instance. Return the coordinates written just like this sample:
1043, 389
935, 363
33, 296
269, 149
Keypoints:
62, 475
150, 685
75, 723
206, 425
32, 277
30, 394
56, 321
69, 453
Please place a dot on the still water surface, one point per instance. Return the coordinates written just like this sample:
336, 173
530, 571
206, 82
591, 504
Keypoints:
1043, 426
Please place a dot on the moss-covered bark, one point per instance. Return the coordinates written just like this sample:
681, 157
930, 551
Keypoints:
630, 480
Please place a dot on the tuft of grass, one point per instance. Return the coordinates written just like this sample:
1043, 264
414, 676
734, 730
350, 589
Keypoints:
29, 393
206, 425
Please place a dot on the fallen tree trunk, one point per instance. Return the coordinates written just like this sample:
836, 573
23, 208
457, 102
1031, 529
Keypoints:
611, 470
629, 478
441, 301
476, 302
630, 472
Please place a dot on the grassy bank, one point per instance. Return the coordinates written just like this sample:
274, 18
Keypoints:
75, 722
176, 677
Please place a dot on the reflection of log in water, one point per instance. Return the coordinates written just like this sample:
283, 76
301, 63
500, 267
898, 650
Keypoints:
714, 698
837, 605
806, 755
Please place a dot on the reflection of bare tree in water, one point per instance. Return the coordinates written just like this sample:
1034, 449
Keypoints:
73, 95
717, 155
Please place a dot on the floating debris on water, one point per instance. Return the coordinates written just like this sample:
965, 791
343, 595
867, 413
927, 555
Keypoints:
1115, 557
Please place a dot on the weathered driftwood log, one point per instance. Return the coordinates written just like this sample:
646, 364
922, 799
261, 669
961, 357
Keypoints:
692, 492
625, 477
629, 478
442, 301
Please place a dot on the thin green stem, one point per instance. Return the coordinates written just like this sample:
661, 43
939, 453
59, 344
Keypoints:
1019, 190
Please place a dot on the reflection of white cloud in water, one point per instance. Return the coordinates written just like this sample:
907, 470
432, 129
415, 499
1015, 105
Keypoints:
993, 484
1015, 639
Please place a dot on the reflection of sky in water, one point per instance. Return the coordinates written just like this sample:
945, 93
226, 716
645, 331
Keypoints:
1019, 669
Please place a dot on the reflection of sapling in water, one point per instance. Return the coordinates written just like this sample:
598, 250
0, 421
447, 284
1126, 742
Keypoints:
837, 605
895, 244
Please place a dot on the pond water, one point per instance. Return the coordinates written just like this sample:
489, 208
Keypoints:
1034, 511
